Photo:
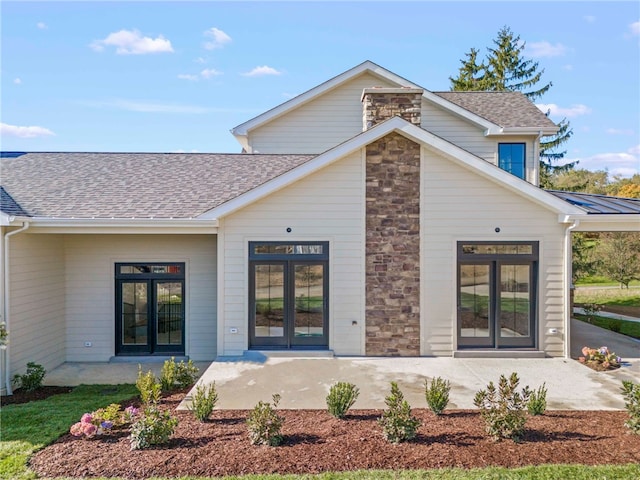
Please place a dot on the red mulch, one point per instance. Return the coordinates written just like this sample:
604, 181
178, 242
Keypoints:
21, 396
316, 442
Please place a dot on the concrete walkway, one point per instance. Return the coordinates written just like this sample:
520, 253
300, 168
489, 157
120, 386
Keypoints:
617, 316
304, 382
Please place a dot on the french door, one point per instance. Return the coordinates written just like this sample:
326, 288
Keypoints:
150, 309
497, 295
288, 301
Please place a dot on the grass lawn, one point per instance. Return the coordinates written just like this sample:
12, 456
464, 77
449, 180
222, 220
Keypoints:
631, 329
30, 426
628, 297
597, 281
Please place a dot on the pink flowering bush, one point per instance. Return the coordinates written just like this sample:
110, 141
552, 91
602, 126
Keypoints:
600, 359
103, 420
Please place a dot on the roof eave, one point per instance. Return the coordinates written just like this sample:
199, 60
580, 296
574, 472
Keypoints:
139, 225
542, 131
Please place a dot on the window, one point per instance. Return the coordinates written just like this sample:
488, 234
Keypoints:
511, 157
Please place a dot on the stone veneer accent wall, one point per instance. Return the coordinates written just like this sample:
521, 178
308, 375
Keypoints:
393, 247
380, 104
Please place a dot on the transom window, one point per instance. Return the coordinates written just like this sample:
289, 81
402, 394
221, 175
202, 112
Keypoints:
511, 157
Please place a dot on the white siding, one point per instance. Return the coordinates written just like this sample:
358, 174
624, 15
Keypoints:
318, 125
459, 205
37, 301
326, 206
90, 289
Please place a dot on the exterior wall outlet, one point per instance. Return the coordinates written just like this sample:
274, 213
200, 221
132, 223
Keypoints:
233, 330
88, 344
553, 331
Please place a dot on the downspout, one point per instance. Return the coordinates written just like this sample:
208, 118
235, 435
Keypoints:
536, 156
568, 280
7, 363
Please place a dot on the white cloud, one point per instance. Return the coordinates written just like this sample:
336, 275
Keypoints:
210, 72
589, 18
624, 164
545, 49
218, 38
41, 25
635, 28
557, 111
620, 131
568, 67
17, 81
200, 60
24, 132
131, 42
262, 71
186, 76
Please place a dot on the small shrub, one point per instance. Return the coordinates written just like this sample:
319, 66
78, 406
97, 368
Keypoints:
503, 409
537, 404
591, 309
264, 424
437, 394
177, 375
341, 398
153, 427
397, 423
103, 420
600, 358
149, 387
32, 379
203, 401
631, 393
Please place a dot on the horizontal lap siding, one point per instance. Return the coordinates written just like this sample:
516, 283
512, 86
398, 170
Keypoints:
90, 288
460, 205
327, 205
318, 125
37, 301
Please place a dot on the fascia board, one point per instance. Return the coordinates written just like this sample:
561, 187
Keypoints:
140, 225
488, 170
598, 222
417, 134
522, 131
368, 66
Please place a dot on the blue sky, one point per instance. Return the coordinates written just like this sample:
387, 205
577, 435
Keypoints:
177, 76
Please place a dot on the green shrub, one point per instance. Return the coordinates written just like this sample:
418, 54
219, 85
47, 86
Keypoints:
503, 409
153, 427
537, 404
437, 394
32, 379
631, 392
149, 387
341, 398
264, 424
177, 375
615, 325
397, 423
203, 401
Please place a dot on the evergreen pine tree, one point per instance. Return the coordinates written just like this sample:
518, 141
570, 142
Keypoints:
504, 69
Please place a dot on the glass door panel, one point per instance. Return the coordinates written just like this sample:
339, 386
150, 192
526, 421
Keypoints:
516, 312
268, 305
309, 315
475, 327
134, 321
170, 313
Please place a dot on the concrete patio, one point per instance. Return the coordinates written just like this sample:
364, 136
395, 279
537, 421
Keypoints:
303, 381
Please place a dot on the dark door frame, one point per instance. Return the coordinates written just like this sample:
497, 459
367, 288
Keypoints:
151, 279
289, 261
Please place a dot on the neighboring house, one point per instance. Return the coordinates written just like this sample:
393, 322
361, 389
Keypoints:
367, 216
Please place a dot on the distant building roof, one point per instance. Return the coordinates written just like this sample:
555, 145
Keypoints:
600, 204
507, 109
132, 185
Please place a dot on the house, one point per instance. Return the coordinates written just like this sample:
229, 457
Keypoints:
367, 216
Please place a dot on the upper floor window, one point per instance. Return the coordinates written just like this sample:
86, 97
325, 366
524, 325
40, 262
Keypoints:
511, 158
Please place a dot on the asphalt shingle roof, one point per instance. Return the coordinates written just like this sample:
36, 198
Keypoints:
132, 185
600, 204
507, 109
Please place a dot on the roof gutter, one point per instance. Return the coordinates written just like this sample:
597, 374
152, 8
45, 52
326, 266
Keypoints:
114, 225
6, 307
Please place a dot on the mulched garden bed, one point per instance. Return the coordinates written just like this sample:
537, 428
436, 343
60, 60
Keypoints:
316, 442
22, 396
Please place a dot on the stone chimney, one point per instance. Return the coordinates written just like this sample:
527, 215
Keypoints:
382, 103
